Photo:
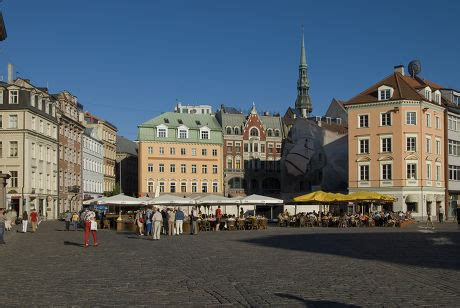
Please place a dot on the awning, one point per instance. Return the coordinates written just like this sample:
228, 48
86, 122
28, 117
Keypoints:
258, 199
430, 198
366, 196
412, 198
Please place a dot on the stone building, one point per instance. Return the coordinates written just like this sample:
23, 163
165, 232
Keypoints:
180, 154
70, 148
252, 152
396, 137
106, 132
28, 146
93, 165
126, 167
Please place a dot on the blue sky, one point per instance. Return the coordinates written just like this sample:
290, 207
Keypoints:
128, 61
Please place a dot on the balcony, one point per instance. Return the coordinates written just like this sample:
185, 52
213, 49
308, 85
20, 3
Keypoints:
231, 170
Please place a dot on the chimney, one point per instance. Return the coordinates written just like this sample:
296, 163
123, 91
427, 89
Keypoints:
10, 73
266, 113
399, 69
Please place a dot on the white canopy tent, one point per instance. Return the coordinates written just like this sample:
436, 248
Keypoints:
261, 200
172, 199
213, 201
92, 201
121, 199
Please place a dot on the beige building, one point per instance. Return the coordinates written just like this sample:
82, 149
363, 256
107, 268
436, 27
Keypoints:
28, 147
106, 132
180, 154
396, 142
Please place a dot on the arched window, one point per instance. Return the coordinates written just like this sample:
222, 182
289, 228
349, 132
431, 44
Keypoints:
254, 132
236, 130
150, 186
277, 132
269, 132
229, 130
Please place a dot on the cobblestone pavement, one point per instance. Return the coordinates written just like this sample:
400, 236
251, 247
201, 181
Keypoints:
313, 267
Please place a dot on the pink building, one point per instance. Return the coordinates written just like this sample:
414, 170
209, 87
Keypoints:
396, 142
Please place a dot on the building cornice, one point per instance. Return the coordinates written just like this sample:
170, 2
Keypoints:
396, 103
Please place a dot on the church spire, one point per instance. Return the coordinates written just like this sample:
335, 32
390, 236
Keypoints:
303, 103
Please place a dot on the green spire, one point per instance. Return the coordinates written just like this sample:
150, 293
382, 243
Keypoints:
303, 58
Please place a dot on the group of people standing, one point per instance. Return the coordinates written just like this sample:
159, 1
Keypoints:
8, 219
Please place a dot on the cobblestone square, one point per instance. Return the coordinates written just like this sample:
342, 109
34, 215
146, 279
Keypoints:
313, 267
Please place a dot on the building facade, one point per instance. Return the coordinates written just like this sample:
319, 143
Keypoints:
93, 165
126, 167
28, 147
252, 152
106, 132
396, 137
451, 100
70, 151
180, 154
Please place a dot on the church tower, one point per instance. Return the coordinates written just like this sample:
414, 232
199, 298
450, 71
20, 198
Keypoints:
303, 103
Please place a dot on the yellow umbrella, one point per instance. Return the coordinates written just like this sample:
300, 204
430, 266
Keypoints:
366, 196
319, 196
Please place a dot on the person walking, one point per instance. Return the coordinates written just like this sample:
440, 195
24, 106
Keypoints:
140, 222
75, 221
25, 221
34, 220
440, 214
8, 217
157, 219
218, 218
148, 222
67, 219
179, 221
90, 226
194, 220
429, 222
2, 227
171, 218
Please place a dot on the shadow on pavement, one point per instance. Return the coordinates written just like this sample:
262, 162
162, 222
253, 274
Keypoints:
310, 303
435, 250
73, 244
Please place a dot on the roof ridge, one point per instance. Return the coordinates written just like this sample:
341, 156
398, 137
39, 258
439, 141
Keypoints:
398, 75
367, 89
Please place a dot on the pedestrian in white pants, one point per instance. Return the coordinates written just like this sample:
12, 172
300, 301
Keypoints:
25, 221
179, 224
157, 220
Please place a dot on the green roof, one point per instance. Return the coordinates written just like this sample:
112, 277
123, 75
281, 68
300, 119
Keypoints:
147, 131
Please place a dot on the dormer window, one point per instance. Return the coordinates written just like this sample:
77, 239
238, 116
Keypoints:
14, 97
428, 94
162, 131
269, 132
236, 130
229, 130
182, 132
385, 93
254, 132
205, 133
437, 97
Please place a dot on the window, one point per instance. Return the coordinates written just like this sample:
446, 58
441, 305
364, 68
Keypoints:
385, 119
254, 132
172, 168
246, 147
437, 98
453, 148
182, 134
236, 130
454, 173
363, 146
161, 168
1, 96
411, 143
262, 148
14, 179
194, 187
1, 149
428, 171
229, 147
428, 120
438, 122
150, 186
1, 121
150, 150
172, 151
162, 150
215, 187
214, 152
183, 168
364, 173
238, 147
193, 152
229, 163
229, 130
438, 147
13, 121
183, 187
161, 132
385, 94
193, 168
214, 169
364, 120
428, 94
14, 97
237, 163
172, 187
204, 187
428, 145
386, 171
269, 132
204, 152
183, 151
13, 149
162, 187
412, 171
277, 132
386, 144
278, 148
204, 169
204, 134
150, 168
438, 173
411, 118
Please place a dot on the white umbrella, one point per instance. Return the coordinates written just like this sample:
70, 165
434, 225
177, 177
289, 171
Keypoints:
121, 199
171, 199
